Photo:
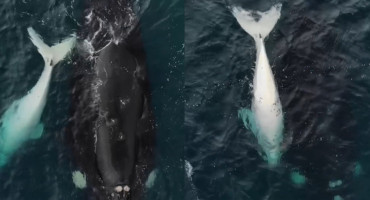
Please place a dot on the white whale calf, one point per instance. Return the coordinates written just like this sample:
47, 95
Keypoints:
21, 121
265, 119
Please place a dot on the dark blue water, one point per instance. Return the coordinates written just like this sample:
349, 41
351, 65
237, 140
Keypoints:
320, 58
42, 168
163, 38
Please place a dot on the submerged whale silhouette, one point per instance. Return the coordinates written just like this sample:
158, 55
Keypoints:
265, 119
21, 121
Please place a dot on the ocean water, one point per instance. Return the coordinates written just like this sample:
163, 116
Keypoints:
42, 168
320, 58
163, 38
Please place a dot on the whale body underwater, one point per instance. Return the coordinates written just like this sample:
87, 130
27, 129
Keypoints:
112, 130
21, 121
265, 118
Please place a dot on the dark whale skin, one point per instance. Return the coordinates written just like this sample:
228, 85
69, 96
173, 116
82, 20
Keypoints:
111, 132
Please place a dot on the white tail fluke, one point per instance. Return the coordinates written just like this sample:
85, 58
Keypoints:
255, 23
52, 55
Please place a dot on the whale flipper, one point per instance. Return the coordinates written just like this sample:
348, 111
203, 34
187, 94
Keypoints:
38, 131
248, 119
52, 55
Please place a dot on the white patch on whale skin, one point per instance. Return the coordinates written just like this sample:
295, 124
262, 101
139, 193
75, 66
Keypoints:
79, 179
124, 102
265, 118
21, 121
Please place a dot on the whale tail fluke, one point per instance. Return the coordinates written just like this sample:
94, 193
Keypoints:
255, 23
51, 55
247, 116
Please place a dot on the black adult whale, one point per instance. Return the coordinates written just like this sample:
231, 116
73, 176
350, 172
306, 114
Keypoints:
111, 130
